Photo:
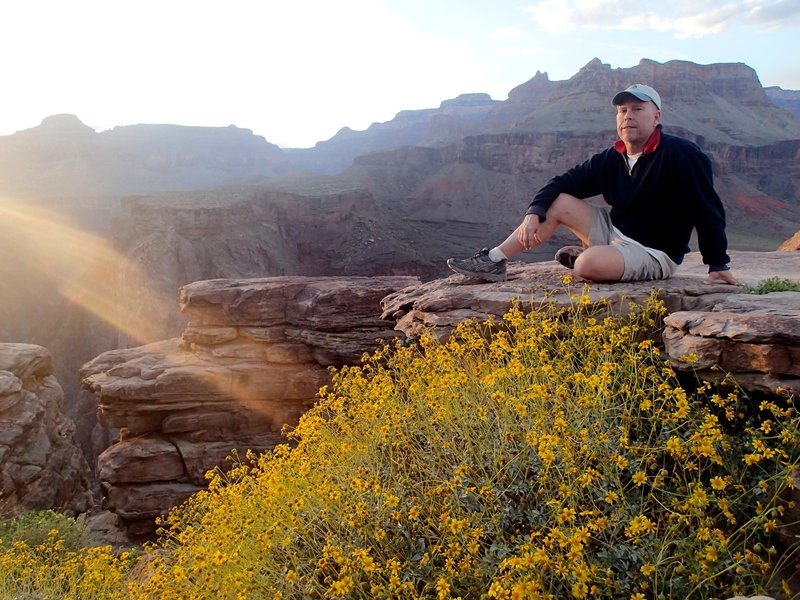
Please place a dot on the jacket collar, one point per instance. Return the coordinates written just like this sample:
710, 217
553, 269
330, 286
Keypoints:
649, 146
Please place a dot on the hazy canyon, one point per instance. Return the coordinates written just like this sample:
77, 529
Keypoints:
99, 230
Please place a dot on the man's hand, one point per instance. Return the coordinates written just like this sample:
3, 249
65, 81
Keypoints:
528, 232
721, 277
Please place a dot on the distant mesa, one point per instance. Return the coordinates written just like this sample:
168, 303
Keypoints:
786, 99
62, 124
63, 121
478, 99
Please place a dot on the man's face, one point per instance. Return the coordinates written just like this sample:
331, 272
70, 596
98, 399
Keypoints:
636, 120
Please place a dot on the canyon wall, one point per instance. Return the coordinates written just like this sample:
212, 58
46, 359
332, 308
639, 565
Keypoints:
250, 361
41, 465
256, 351
399, 199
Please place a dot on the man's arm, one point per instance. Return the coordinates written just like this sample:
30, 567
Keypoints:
582, 181
708, 212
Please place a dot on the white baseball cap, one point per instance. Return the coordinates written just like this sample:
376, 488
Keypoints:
639, 91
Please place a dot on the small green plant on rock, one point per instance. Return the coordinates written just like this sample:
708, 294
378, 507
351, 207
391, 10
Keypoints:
35, 527
774, 284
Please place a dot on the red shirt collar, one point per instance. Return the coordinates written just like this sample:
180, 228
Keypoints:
649, 146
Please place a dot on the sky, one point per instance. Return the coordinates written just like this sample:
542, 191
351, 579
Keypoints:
297, 71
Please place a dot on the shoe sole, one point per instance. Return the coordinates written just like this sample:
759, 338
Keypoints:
484, 276
567, 259
567, 264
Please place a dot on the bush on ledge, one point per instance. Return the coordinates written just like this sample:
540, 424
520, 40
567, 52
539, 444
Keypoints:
550, 455
553, 456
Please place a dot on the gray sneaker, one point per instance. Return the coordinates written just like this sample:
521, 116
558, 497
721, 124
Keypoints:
480, 266
568, 255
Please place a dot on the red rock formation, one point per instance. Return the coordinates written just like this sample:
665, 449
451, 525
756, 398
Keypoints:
250, 362
754, 338
792, 244
41, 466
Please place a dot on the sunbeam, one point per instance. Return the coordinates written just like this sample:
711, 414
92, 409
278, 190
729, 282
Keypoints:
84, 270
81, 267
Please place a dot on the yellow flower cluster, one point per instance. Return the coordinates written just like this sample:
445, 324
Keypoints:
49, 570
548, 454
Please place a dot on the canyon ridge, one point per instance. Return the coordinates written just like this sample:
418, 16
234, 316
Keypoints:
151, 208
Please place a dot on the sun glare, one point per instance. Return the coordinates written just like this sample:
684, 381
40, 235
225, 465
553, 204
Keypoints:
86, 271
82, 267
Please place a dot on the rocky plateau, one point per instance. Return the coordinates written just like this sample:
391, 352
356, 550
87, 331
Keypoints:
250, 361
153, 209
256, 351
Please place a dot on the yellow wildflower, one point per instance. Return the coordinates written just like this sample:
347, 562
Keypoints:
718, 483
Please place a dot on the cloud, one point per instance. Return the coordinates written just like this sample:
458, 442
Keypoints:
683, 18
505, 34
518, 51
776, 15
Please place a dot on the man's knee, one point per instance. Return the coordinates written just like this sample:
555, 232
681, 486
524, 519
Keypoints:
600, 263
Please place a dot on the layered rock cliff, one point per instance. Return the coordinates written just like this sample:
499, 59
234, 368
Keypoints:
721, 102
786, 99
397, 211
753, 339
256, 351
41, 466
62, 158
250, 362
456, 118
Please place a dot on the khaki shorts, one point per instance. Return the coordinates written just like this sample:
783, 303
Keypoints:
641, 263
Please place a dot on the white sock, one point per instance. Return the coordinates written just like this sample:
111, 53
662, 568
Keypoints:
496, 255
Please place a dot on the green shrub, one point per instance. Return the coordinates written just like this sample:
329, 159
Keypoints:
556, 456
36, 527
774, 284
551, 455
42, 556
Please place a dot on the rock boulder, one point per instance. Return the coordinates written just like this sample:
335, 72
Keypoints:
250, 361
41, 465
754, 338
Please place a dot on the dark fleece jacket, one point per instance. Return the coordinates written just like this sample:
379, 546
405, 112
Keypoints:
668, 193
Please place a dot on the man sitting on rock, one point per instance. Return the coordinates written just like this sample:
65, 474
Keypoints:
659, 188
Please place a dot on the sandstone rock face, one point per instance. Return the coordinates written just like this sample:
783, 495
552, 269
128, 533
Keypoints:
792, 244
250, 361
786, 99
41, 466
756, 339
440, 305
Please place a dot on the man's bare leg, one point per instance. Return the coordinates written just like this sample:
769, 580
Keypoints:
596, 263
600, 263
